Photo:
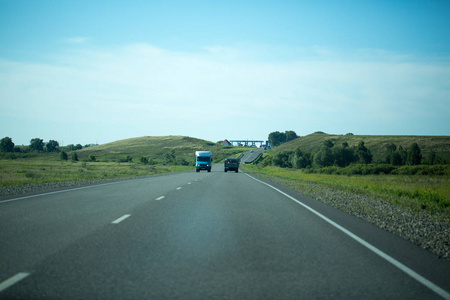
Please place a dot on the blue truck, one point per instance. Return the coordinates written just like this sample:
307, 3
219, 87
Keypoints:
203, 160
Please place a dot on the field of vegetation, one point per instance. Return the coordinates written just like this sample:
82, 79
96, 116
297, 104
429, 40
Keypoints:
411, 171
37, 170
125, 158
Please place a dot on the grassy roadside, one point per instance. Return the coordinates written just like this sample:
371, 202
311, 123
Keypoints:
420, 193
38, 170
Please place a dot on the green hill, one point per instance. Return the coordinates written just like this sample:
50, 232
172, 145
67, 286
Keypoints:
156, 148
376, 144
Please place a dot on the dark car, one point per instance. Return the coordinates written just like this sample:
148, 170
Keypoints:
231, 164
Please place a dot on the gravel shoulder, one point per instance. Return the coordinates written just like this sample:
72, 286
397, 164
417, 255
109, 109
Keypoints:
429, 231
37, 188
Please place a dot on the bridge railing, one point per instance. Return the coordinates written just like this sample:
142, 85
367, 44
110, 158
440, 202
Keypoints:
247, 142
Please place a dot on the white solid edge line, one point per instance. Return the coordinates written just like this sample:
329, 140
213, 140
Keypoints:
160, 198
441, 292
120, 219
62, 191
9, 282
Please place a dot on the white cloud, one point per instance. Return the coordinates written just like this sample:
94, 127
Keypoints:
144, 90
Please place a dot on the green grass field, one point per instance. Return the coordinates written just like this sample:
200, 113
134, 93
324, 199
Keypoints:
421, 193
37, 170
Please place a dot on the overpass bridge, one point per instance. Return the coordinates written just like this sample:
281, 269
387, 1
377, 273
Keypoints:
247, 143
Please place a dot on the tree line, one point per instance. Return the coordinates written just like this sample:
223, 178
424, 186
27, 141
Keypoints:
277, 138
341, 156
37, 145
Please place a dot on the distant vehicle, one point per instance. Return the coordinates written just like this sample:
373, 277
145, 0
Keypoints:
203, 160
231, 164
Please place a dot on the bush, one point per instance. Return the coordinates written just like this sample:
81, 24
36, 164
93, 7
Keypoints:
126, 159
364, 154
63, 155
414, 155
183, 162
92, 158
323, 158
170, 158
436, 170
266, 161
75, 156
358, 169
330, 170
282, 159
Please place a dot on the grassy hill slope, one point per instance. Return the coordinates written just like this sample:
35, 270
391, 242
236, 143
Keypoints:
156, 147
377, 144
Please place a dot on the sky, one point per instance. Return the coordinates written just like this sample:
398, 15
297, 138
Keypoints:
100, 71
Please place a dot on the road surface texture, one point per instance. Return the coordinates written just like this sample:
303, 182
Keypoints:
203, 236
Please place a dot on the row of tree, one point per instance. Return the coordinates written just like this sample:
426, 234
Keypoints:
37, 145
277, 138
342, 155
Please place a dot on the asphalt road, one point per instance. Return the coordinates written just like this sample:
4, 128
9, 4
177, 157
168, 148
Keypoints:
203, 236
251, 155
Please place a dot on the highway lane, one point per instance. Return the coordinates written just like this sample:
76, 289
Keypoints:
209, 235
33, 228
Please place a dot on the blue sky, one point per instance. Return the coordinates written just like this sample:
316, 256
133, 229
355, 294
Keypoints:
100, 71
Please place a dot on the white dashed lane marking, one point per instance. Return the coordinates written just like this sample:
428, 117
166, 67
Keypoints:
120, 219
13, 280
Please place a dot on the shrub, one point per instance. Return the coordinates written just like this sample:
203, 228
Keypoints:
183, 162
126, 159
396, 159
92, 158
435, 170
63, 155
266, 161
414, 155
282, 159
74, 156
343, 156
323, 158
364, 154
